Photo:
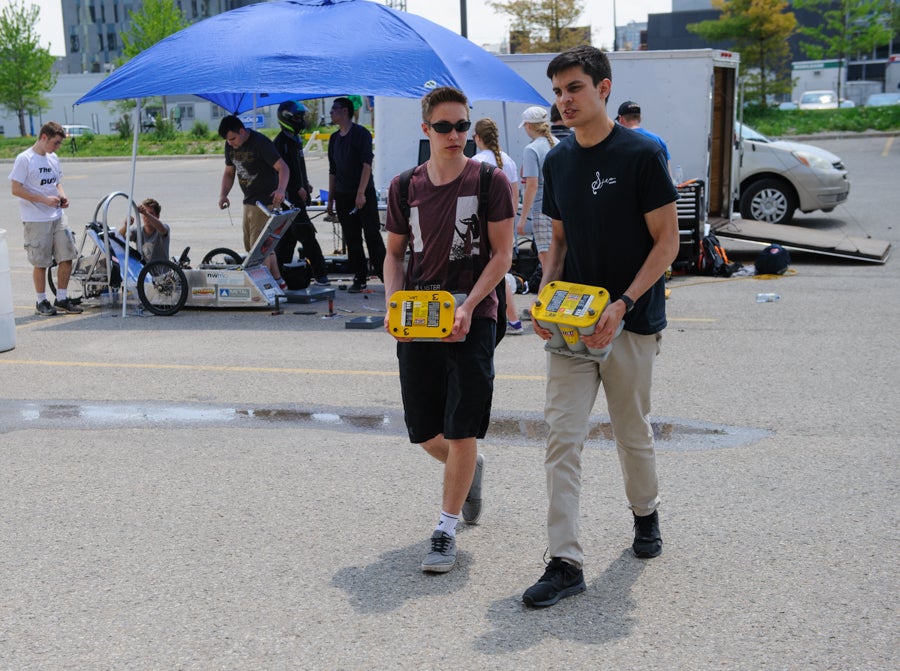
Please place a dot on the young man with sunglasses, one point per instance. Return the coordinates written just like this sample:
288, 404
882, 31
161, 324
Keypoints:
447, 386
612, 205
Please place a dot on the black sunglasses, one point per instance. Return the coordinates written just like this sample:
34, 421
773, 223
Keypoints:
444, 127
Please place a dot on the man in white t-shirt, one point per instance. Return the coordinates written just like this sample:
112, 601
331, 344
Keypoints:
36, 180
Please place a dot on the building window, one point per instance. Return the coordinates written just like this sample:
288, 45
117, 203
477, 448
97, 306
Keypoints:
116, 12
111, 41
100, 40
217, 112
74, 44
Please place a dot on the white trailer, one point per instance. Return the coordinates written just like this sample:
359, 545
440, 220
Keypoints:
687, 97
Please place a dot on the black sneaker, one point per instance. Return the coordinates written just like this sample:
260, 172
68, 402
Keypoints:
357, 288
69, 306
647, 539
559, 581
44, 309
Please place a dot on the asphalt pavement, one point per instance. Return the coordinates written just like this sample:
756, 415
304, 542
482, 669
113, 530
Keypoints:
233, 489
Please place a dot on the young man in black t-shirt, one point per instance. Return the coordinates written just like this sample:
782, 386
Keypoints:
612, 204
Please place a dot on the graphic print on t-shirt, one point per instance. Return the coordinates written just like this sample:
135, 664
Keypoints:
466, 243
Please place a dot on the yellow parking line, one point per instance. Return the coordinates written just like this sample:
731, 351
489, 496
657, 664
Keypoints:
887, 146
224, 369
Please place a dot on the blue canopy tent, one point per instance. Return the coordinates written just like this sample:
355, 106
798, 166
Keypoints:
269, 52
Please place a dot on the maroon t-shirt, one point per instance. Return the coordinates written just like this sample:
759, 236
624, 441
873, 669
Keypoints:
449, 246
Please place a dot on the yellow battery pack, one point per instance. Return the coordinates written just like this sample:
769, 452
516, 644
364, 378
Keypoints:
569, 311
421, 315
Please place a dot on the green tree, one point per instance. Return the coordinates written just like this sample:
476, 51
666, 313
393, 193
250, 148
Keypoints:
543, 26
157, 20
26, 68
847, 28
759, 31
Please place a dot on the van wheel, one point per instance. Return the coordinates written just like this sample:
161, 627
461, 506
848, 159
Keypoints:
769, 200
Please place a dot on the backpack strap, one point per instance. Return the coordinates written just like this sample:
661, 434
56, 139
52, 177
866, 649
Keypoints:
405, 179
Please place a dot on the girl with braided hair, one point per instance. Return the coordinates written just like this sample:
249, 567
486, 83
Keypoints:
487, 140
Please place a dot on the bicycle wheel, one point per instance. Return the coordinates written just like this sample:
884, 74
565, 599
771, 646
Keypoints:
222, 256
75, 290
162, 288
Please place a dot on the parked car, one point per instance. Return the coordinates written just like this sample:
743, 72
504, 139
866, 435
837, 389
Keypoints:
778, 177
822, 100
78, 131
883, 99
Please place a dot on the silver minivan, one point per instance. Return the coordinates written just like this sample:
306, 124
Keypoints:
778, 177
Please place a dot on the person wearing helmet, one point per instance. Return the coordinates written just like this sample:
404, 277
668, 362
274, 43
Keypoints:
292, 119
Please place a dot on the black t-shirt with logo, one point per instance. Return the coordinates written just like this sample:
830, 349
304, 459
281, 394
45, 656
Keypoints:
601, 194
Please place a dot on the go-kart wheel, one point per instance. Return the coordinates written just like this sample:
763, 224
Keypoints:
222, 256
75, 291
162, 288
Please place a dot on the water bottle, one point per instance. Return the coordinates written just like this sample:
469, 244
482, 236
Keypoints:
767, 298
679, 175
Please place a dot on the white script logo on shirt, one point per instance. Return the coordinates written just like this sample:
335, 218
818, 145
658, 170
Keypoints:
600, 182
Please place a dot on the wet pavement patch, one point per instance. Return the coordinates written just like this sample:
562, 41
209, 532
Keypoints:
669, 433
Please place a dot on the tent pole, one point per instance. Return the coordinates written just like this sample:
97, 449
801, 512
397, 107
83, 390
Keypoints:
134, 145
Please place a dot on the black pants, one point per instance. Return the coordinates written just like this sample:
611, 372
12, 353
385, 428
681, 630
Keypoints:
303, 231
354, 227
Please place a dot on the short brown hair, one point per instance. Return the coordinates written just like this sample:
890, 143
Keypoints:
442, 94
153, 204
52, 129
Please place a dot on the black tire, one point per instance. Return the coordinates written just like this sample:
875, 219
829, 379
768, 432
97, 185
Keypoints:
769, 200
222, 256
162, 288
74, 291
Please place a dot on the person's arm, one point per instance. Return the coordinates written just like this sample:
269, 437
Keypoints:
531, 187
284, 174
329, 210
155, 223
225, 189
394, 270
63, 201
363, 184
20, 191
663, 226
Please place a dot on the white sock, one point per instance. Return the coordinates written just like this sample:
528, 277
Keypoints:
447, 524
62, 294
42, 297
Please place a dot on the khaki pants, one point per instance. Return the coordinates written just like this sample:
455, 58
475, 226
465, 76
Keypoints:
572, 386
254, 222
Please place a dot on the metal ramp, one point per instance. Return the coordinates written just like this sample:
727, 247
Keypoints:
802, 239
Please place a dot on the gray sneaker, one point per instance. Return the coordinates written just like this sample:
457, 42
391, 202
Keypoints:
442, 557
44, 309
471, 510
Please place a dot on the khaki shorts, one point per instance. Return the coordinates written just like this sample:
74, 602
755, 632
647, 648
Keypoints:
254, 221
49, 240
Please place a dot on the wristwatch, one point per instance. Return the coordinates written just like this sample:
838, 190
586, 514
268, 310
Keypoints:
629, 304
